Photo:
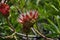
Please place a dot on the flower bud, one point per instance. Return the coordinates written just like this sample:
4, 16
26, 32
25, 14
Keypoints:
28, 19
4, 9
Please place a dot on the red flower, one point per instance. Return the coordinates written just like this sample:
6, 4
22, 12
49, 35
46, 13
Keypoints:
28, 19
29, 16
4, 9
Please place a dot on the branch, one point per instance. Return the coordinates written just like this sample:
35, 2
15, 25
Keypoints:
24, 35
10, 25
42, 35
33, 31
9, 36
19, 34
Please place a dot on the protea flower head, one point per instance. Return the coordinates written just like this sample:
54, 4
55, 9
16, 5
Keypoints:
4, 9
28, 19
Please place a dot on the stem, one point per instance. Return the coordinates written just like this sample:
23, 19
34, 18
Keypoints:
15, 37
42, 35
10, 25
9, 36
26, 36
33, 31
23, 35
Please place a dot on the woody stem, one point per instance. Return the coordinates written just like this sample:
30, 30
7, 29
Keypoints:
10, 25
27, 36
42, 34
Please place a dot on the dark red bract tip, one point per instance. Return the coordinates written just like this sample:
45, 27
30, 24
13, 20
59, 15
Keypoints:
4, 9
29, 16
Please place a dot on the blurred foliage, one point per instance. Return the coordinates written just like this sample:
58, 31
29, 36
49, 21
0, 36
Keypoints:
48, 21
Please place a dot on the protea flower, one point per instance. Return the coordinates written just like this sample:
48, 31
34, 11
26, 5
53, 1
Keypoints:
4, 9
27, 20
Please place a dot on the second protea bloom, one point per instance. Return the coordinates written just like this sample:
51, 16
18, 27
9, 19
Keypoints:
4, 9
28, 19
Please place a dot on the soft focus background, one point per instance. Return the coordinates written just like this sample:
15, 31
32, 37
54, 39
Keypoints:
48, 22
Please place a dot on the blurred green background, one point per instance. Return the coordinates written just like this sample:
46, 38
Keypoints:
48, 22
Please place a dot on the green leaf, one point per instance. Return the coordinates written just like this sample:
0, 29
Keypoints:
58, 22
53, 35
49, 27
55, 27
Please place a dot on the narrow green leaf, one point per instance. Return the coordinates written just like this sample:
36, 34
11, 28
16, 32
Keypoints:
56, 28
57, 19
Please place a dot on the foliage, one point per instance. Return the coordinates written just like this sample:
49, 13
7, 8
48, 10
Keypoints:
48, 22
